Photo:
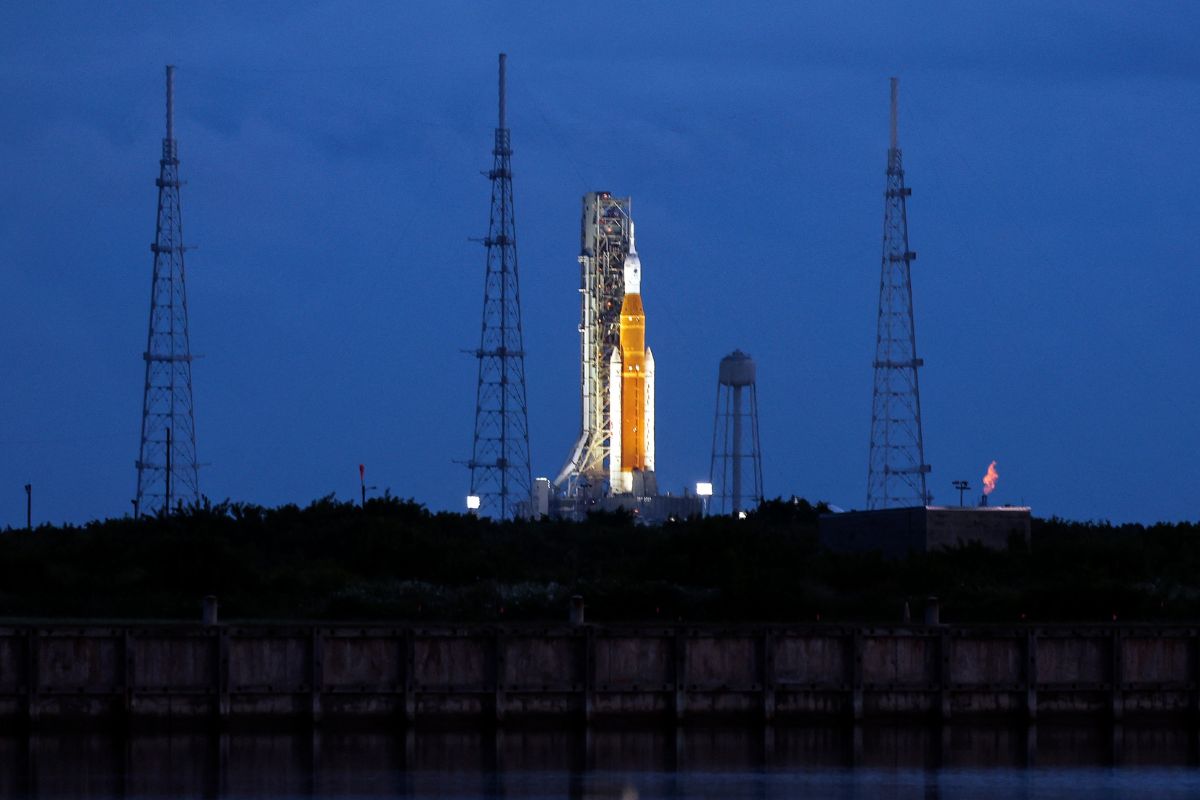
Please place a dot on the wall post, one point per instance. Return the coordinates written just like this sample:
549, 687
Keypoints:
589, 672
768, 674
945, 647
1194, 673
410, 676
222, 647
1117, 642
208, 611
1031, 675
32, 676
316, 671
128, 643
498, 667
856, 675
680, 652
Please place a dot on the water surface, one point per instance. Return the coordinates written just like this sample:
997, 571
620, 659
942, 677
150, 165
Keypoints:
901, 761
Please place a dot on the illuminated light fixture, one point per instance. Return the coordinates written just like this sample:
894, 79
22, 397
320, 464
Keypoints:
741, 515
472, 502
704, 491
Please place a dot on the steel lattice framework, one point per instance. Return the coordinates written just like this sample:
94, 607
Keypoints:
605, 234
500, 473
897, 468
167, 470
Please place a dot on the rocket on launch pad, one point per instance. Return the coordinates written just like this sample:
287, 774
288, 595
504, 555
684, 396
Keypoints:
611, 466
612, 463
631, 391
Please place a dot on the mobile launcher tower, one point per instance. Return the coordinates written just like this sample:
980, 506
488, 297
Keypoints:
612, 463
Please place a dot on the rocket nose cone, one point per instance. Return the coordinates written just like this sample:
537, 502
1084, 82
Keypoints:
633, 273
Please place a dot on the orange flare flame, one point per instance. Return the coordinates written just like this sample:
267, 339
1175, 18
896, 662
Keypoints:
989, 480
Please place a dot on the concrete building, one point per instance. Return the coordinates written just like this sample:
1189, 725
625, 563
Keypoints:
897, 531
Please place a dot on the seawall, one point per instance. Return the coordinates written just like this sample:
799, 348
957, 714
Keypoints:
592, 672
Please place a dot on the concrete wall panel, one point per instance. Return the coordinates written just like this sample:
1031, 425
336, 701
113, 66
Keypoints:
980, 661
357, 661
542, 703
364, 705
628, 661
174, 662
270, 705
458, 705
1074, 702
1155, 702
275, 663
722, 703
726, 661
1067, 660
551, 662
1157, 659
633, 704
175, 671
167, 706
78, 662
988, 703
12, 662
816, 660
897, 703
452, 661
899, 660
812, 704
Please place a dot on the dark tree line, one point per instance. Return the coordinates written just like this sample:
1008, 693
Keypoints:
396, 560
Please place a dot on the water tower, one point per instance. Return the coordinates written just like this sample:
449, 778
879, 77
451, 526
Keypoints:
735, 436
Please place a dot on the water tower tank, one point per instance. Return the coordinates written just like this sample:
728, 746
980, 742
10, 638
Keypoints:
737, 369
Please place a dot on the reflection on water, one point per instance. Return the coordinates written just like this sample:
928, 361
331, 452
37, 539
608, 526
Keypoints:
956, 761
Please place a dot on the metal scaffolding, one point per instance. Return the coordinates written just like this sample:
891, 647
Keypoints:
167, 469
896, 466
605, 234
500, 473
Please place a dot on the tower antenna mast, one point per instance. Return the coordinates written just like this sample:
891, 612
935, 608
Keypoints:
167, 470
500, 472
896, 466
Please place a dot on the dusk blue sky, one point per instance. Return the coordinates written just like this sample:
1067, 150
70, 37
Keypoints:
332, 153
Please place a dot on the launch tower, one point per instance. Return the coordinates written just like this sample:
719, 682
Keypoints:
896, 468
167, 470
606, 232
500, 476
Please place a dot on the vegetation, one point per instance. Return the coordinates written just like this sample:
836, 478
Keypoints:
396, 560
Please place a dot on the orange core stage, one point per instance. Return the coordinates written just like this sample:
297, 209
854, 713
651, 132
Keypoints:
633, 383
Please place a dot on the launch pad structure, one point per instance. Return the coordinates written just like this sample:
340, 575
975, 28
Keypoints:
611, 465
605, 233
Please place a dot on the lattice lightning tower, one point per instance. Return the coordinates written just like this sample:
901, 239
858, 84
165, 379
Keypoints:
166, 466
500, 474
897, 468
